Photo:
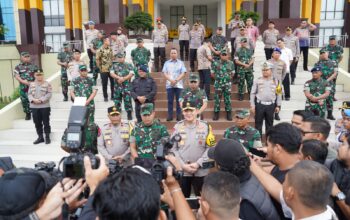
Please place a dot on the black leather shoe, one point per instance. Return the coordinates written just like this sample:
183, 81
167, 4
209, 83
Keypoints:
106, 99
216, 116
178, 117
28, 116
330, 115
277, 117
169, 118
39, 140
287, 98
240, 97
65, 99
129, 116
47, 138
229, 116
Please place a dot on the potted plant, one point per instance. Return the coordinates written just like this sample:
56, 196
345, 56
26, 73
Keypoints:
139, 23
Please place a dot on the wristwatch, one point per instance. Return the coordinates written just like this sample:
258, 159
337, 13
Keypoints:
340, 196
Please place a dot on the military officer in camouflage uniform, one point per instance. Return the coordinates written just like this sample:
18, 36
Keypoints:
194, 94
146, 136
84, 86
140, 55
245, 60
316, 91
242, 132
223, 71
95, 45
329, 72
279, 70
191, 151
122, 72
63, 58
24, 74
113, 139
218, 43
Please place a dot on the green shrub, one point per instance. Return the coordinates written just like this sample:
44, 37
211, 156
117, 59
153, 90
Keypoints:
139, 22
246, 14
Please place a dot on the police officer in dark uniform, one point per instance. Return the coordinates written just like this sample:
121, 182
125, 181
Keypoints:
143, 90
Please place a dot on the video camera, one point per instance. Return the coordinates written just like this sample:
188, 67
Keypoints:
73, 165
159, 167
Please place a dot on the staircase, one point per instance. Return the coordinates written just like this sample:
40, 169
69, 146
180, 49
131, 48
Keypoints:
17, 142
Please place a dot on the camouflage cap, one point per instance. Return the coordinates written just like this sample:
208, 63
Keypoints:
113, 110
244, 40
143, 68
25, 54
346, 105
65, 44
332, 37
267, 65
147, 109
102, 32
323, 50
316, 69
76, 51
82, 67
120, 55
188, 105
243, 113
193, 77
223, 52
139, 40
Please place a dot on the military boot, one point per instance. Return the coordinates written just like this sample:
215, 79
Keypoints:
240, 97
330, 115
28, 117
47, 138
129, 116
229, 116
65, 99
216, 116
277, 117
39, 140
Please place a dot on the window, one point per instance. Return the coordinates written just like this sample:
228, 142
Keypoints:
54, 42
326, 32
54, 12
200, 11
332, 9
176, 13
8, 19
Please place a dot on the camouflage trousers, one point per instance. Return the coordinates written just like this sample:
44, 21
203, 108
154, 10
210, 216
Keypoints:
120, 93
23, 94
319, 110
242, 77
91, 112
64, 85
219, 92
330, 98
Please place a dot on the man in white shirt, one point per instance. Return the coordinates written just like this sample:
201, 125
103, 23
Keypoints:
90, 35
305, 192
287, 57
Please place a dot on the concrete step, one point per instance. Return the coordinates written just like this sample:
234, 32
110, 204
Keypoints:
28, 134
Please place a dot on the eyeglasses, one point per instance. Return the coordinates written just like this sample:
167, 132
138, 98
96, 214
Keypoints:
193, 82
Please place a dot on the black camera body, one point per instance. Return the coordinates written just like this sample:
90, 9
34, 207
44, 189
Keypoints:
73, 165
160, 166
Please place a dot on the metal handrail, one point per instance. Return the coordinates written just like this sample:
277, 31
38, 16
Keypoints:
322, 40
73, 44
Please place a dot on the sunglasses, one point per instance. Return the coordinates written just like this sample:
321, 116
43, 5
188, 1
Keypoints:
193, 82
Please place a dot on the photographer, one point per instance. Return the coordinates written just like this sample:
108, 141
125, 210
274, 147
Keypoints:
196, 137
113, 141
136, 186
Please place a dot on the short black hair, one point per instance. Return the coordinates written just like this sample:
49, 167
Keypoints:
113, 33
221, 191
313, 183
286, 135
173, 48
240, 167
304, 114
320, 125
271, 22
131, 194
316, 149
280, 39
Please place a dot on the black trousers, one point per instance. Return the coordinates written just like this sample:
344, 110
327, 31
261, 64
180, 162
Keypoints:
159, 54
205, 81
191, 181
41, 119
286, 86
184, 49
193, 57
233, 49
264, 112
138, 109
104, 79
268, 53
293, 68
91, 60
305, 51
